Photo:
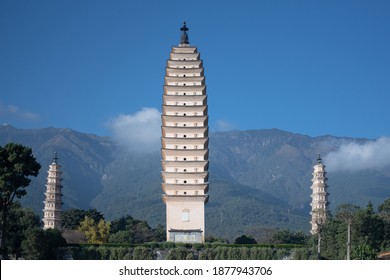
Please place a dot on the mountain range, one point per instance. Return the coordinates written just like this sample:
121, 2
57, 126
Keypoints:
259, 179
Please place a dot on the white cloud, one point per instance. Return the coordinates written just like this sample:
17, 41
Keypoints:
354, 157
139, 132
221, 125
14, 112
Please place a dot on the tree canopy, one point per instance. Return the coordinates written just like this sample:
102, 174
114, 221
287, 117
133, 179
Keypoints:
370, 232
243, 239
129, 230
96, 233
17, 164
72, 218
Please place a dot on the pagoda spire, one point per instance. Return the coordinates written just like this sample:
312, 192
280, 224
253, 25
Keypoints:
55, 158
319, 160
184, 35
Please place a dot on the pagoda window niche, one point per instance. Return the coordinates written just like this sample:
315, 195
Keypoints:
185, 215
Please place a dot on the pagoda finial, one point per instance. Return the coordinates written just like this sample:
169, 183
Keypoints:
319, 160
55, 158
184, 35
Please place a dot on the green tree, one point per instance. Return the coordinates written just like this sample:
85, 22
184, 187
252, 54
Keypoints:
363, 252
384, 210
103, 229
384, 213
31, 245
243, 239
369, 228
129, 230
17, 164
346, 213
20, 220
42, 244
333, 237
160, 234
88, 227
121, 236
72, 218
96, 233
363, 237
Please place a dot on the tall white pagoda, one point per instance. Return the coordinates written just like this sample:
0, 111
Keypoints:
53, 197
184, 143
319, 204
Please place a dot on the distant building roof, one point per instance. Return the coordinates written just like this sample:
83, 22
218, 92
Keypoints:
384, 256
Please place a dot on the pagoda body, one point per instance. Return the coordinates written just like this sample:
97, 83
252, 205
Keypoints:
53, 197
319, 204
184, 143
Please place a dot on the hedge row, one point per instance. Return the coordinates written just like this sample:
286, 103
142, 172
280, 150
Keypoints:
177, 252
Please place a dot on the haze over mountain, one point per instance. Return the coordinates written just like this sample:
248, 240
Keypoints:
259, 179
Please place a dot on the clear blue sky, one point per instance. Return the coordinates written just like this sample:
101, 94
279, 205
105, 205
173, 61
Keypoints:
310, 67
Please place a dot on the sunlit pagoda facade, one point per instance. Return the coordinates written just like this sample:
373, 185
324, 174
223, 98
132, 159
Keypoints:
53, 197
319, 204
185, 143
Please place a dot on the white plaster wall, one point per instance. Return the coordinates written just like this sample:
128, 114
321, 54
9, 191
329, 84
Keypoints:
196, 215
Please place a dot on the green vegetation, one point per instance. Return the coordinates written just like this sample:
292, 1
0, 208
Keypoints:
95, 232
125, 230
177, 251
259, 180
370, 232
72, 218
369, 236
252, 212
243, 239
17, 164
27, 239
130, 230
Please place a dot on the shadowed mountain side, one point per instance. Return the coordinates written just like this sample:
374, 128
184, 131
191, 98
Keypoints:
281, 163
132, 185
83, 157
234, 209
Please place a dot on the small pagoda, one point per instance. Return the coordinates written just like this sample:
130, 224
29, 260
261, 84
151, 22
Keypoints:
53, 197
319, 204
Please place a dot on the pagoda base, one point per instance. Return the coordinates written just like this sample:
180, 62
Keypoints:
185, 236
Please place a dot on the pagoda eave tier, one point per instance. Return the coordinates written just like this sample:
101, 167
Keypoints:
186, 49
204, 164
191, 187
184, 88
202, 99
172, 122
183, 130
203, 175
199, 80
184, 71
56, 218
183, 152
189, 141
184, 64
185, 198
184, 56
48, 210
184, 119
183, 111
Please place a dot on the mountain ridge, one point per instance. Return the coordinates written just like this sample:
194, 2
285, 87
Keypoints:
258, 178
